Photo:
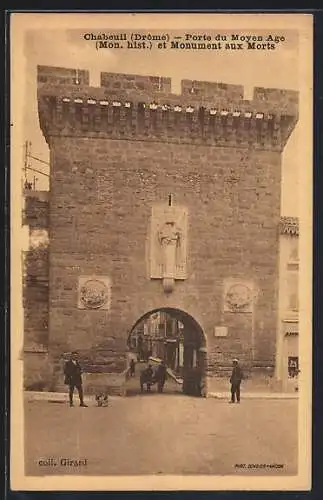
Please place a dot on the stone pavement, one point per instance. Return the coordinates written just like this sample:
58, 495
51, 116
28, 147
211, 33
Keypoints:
256, 395
63, 396
251, 388
257, 386
219, 388
161, 434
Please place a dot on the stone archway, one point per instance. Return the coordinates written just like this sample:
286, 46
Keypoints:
183, 348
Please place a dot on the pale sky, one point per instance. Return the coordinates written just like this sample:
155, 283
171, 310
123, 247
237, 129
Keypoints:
67, 48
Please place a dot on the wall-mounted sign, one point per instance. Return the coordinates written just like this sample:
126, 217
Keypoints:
220, 331
94, 292
293, 366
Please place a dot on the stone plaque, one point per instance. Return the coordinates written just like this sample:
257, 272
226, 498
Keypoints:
238, 296
220, 331
168, 242
94, 292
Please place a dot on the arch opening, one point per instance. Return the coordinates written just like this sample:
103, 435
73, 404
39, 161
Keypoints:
173, 336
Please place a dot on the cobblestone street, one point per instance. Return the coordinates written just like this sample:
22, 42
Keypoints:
162, 434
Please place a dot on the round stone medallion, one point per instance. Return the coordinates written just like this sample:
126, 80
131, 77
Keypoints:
94, 294
238, 297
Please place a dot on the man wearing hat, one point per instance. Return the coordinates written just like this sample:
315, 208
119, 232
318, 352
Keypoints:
161, 374
73, 378
235, 381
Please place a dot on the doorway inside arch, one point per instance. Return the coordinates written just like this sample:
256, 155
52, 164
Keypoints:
173, 337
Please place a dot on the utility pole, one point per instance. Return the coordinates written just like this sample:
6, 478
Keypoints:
28, 159
27, 153
25, 160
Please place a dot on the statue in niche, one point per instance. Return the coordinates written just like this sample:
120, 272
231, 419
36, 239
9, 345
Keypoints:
170, 234
169, 238
168, 245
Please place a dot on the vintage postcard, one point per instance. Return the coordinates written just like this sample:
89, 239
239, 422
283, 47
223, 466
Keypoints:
161, 222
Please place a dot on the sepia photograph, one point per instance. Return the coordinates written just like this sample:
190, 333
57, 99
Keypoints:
161, 225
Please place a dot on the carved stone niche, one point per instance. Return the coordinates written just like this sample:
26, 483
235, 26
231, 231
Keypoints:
168, 244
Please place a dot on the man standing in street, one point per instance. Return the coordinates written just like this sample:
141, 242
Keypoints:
161, 374
235, 380
73, 378
146, 377
132, 368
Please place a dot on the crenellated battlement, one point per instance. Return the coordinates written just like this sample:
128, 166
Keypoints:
137, 107
135, 83
62, 76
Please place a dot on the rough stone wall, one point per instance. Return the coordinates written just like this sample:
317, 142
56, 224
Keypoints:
35, 273
36, 210
35, 294
108, 167
102, 193
36, 297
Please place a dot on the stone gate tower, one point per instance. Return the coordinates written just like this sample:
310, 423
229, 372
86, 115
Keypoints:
159, 201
